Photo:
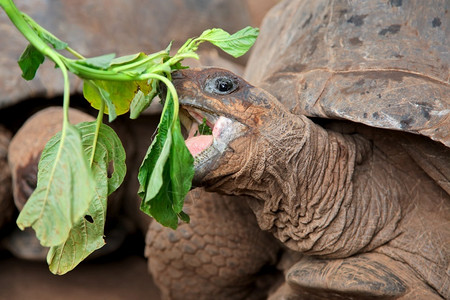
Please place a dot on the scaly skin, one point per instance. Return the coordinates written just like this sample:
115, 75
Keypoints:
218, 255
325, 193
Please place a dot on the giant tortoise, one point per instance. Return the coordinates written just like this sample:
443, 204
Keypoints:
339, 143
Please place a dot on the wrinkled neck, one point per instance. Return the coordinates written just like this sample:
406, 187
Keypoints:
299, 179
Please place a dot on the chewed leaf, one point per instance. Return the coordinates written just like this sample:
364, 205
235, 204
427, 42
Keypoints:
64, 190
236, 45
99, 62
86, 236
29, 62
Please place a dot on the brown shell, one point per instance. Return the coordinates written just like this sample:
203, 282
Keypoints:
381, 63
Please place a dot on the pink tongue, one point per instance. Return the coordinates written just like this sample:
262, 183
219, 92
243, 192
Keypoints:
199, 143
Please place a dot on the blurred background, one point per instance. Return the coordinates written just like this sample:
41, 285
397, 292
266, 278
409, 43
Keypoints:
95, 28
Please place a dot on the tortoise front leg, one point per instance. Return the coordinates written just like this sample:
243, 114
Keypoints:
364, 276
220, 254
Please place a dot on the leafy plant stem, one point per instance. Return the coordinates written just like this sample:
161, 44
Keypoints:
97, 131
17, 19
75, 53
73, 177
170, 90
66, 102
140, 62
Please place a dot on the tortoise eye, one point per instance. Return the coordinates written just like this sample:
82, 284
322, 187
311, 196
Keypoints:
221, 85
224, 84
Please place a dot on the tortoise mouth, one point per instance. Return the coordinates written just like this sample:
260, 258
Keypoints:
207, 134
199, 126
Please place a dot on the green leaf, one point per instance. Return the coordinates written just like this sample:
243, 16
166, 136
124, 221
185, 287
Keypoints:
64, 190
166, 173
44, 34
116, 94
102, 62
110, 107
109, 158
137, 64
29, 62
127, 59
178, 66
95, 94
154, 174
142, 100
139, 104
149, 176
184, 217
86, 236
160, 206
181, 168
236, 45
52, 40
204, 129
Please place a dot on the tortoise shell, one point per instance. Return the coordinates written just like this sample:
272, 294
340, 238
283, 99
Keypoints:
381, 63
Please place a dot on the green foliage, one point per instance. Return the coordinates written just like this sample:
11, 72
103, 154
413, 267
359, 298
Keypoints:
166, 173
100, 62
29, 62
68, 208
204, 129
64, 191
236, 44
87, 233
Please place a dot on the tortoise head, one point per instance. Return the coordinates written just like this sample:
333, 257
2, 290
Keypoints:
236, 111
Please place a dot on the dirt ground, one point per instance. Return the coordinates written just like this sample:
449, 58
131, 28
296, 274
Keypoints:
122, 275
